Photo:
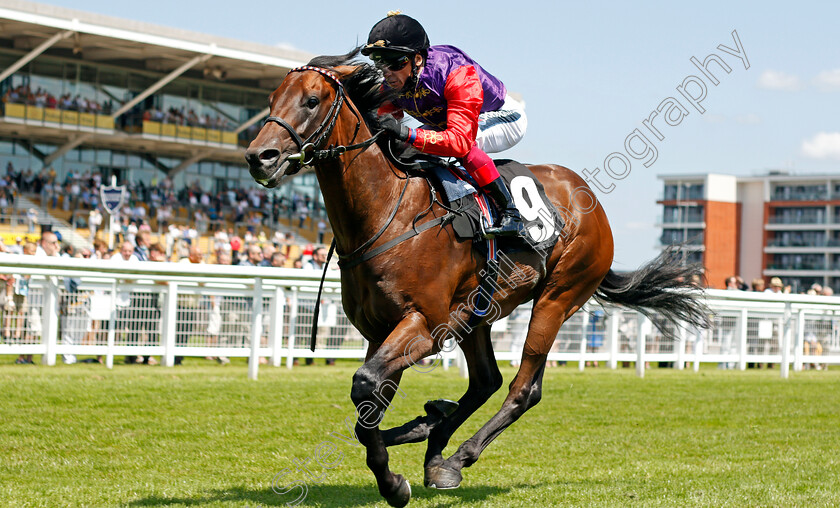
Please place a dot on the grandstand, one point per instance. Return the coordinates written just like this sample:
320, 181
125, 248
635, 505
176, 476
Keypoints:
166, 111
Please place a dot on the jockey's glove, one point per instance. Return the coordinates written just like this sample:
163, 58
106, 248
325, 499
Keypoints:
393, 127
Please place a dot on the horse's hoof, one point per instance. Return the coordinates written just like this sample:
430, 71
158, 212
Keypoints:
442, 478
402, 495
440, 407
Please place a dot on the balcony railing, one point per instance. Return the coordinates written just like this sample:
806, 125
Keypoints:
797, 220
821, 242
75, 120
59, 117
802, 196
799, 266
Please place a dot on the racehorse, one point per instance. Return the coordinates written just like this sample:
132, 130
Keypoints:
322, 116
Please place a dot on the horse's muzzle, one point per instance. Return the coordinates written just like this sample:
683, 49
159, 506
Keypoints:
268, 166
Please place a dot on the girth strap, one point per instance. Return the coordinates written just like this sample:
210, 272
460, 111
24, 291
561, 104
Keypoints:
348, 262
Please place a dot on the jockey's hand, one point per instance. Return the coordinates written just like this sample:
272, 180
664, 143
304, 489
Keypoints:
393, 127
10, 305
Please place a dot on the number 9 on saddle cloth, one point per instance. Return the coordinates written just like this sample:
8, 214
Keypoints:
543, 224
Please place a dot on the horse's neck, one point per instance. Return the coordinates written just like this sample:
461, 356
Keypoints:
360, 191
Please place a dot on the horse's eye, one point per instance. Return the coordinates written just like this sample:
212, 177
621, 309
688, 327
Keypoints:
312, 102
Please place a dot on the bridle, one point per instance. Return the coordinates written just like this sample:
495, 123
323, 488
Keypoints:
310, 149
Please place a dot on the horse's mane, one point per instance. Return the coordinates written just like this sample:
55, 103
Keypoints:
363, 85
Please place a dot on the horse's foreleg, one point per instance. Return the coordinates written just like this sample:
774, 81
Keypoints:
485, 380
374, 386
442, 419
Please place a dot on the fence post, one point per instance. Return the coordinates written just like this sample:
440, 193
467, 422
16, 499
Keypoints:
112, 327
49, 317
787, 331
290, 359
446, 356
612, 329
584, 324
742, 340
276, 338
462, 364
698, 347
170, 315
644, 326
256, 329
680, 363
799, 346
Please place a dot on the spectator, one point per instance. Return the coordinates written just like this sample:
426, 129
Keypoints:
217, 328
48, 245
74, 310
18, 312
255, 256
776, 286
188, 307
152, 316
142, 242
94, 221
100, 249
758, 285
319, 259
732, 283
322, 229
17, 248
126, 318
267, 251
278, 260
31, 220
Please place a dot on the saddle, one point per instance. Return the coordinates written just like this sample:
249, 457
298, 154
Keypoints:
473, 211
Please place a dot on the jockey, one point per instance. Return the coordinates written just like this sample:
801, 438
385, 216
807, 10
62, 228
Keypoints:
465, 111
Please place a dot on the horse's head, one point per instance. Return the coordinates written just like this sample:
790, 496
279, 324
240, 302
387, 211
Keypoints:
303, 112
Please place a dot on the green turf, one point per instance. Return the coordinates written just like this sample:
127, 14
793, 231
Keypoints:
204, 435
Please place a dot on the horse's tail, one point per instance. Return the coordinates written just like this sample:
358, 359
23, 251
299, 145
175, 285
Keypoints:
663, 287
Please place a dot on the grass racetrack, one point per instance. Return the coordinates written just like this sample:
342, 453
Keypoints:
204, 435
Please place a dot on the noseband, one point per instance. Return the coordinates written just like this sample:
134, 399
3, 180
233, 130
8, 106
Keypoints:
309, 149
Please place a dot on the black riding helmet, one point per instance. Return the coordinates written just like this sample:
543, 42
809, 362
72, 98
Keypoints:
397, 33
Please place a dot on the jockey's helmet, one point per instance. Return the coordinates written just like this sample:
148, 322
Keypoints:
397, 34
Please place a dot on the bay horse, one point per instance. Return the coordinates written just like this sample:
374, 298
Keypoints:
323, 115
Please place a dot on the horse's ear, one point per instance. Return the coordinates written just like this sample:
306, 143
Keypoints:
345, 71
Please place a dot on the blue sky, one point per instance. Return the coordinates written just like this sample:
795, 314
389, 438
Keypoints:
591, 72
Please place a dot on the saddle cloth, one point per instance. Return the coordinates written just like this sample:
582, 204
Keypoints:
543, 223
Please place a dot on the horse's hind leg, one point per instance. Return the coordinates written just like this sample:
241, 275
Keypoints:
549, 313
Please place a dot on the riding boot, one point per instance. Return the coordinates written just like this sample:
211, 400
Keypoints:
508, 222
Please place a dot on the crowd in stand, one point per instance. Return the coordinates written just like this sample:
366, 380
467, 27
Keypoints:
41, 98
184, 116
736, 283
159, 201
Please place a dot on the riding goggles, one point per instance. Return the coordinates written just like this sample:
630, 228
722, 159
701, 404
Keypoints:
390, 63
